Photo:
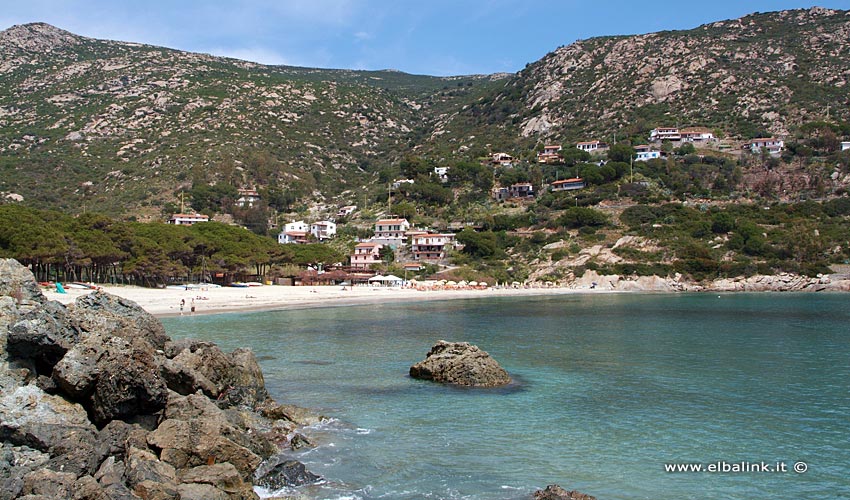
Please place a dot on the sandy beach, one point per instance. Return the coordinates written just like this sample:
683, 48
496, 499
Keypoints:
166, 302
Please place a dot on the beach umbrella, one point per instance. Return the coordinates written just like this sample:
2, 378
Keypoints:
391, 277
473, 283
377, 277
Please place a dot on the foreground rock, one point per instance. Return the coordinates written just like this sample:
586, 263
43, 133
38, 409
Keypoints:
555, 492
460, 363
98, 403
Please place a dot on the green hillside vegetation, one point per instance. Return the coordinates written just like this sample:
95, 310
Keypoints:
138, 132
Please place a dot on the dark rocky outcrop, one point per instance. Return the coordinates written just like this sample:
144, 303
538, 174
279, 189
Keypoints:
98, 404
555, 492
460, 363
285, 473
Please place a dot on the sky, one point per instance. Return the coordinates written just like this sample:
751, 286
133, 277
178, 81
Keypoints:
432, 37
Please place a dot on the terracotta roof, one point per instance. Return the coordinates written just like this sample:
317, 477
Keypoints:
194, 216
295, 233
368, 244
574, 179
385, 222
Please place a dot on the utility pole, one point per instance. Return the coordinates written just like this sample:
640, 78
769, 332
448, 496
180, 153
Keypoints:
631, 169
389, 198
181, 201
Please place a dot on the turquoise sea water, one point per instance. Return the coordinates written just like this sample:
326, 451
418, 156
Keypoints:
608, 389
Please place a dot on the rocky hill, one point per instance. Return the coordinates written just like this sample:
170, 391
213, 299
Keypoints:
761, 74
82, 119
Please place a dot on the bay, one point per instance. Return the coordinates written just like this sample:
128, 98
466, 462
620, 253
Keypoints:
608, 389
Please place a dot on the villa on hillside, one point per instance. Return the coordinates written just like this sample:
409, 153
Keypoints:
550, 154
568, 184
323, 230
247, 198
520, 190
696, 134
773, 145
592, 146
346, 210
294, 232
391, 232
642, 148
187, 219
647, 155
366, 254
502, 159
430, 247
442, 173
665, 134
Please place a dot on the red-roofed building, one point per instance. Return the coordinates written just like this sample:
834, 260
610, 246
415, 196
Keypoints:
391, 232
431, 247
568, 184
187, 219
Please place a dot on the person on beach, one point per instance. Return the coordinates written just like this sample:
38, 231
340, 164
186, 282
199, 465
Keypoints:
192, 307
182, 305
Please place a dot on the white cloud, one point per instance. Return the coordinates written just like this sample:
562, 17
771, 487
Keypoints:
362, 36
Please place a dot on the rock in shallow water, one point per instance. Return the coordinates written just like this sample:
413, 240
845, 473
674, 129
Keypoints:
460, 363
555, 492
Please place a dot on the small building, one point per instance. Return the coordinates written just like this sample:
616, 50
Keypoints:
773, 145
642, 148
550, 154
647, 155
521, 190
294, 232
665, 134
442, 173
366, 254
568, 184
502, 159
845, 146
391, 232
187, 219
346, 210
397, 183
592, 146
247, 198
323, 230
292, 237
412, 266
430, 247
696, 134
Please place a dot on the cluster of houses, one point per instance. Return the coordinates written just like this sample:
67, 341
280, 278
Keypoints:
425, 246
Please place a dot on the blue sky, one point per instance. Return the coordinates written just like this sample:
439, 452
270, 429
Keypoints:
435, 37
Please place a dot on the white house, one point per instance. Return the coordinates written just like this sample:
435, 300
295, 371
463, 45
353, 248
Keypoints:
391, 232
323, 230
399, 182
365, 254
346, 210
442, 173
502, 159
773, 145
430, 246
845, 146
247, 198
696, 134
647, 155
294, 232
187, 219
665, 134
591, 146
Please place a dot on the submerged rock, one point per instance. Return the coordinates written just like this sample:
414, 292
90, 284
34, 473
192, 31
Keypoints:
460, 363
555, 492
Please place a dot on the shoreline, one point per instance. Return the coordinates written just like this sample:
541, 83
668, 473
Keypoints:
166, 302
